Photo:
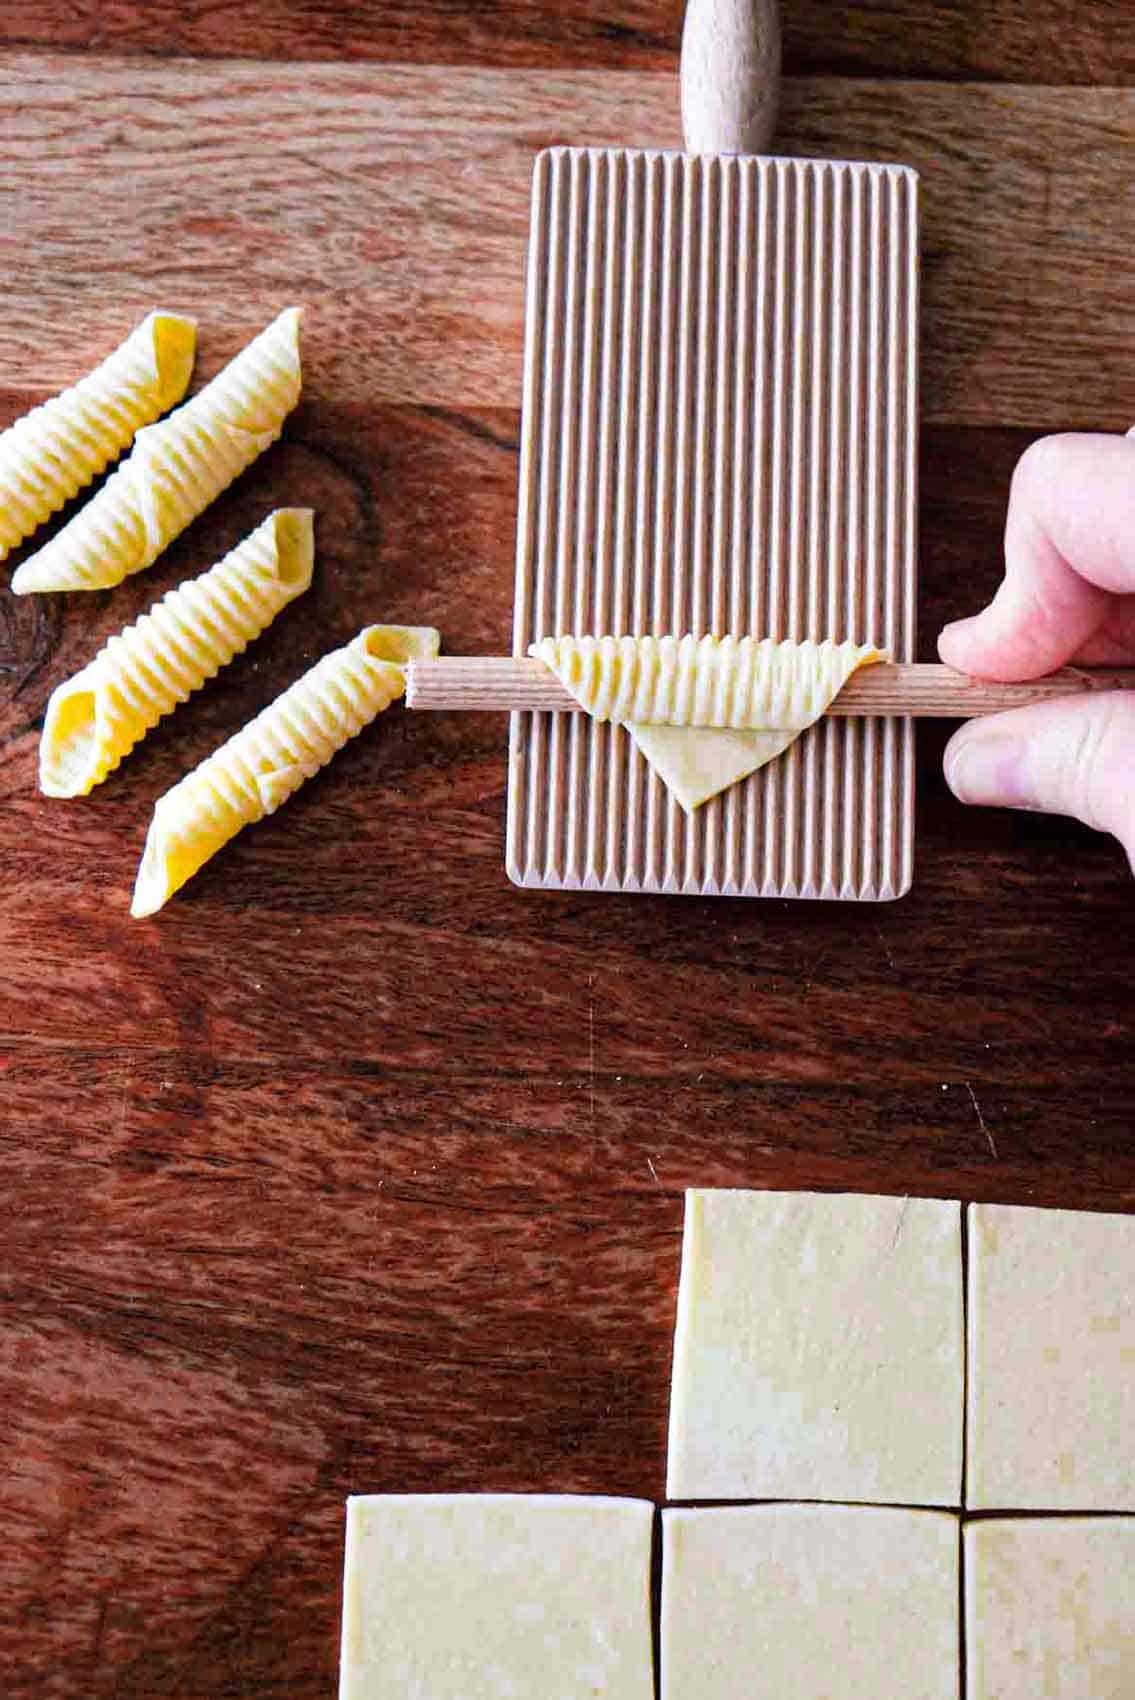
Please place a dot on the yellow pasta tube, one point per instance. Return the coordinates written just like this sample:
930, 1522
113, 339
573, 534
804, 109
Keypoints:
50, 454
743, 683
94, 719
176, 469
260, 767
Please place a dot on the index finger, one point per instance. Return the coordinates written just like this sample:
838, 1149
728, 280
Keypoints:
1069, 553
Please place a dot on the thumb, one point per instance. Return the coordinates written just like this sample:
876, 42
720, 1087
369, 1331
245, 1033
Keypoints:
1073, 757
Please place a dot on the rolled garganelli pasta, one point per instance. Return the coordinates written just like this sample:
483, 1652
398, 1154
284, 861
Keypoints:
54, 451
95, 718
176, 468
705, 712
260, 767
753, 683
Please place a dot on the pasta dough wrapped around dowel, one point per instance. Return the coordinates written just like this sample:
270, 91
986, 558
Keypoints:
176, 469
50, 454
744, 683
94, 719
260, 767
705, 712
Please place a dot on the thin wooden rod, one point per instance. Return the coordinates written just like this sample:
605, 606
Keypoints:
499, 683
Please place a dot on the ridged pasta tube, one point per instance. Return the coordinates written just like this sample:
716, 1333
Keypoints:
94, 719
743, 683
260, 767
705, 712
50, 454
176, 469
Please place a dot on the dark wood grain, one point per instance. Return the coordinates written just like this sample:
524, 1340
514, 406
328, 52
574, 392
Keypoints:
358, 1169
1046, 41
394, 203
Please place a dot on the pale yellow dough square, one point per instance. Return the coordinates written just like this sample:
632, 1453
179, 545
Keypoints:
809, 1602
496, 1597
1051, 1360
1050, 1608
818, 1351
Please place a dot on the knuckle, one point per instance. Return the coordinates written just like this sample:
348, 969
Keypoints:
1040, 616
1044, 461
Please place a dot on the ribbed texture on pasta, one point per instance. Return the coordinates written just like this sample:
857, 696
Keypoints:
142, 673
736, 682
50, 454
176, 469
260, 767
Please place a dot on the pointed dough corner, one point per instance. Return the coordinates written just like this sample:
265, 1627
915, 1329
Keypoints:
294, 533
697, 763
154, 885
174, 341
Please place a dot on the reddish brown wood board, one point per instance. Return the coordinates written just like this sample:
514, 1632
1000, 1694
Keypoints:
359, 1169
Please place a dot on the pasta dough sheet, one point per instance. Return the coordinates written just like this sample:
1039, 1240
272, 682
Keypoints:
818, 1349
496, 1597
705, 712
94, 719
54, 451
176, 469
1050, 1608
263, 763
809, 1602
1051, 1360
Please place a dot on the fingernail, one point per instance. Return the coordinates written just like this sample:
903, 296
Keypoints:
988, 770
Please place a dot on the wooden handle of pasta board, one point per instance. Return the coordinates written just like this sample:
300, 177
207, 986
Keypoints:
498, 683
730, 75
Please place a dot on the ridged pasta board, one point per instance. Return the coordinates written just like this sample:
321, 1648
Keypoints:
719, 435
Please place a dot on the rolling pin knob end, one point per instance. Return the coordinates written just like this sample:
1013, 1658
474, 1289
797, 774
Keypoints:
730, 75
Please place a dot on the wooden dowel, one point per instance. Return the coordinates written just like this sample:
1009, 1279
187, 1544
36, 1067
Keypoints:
500, 683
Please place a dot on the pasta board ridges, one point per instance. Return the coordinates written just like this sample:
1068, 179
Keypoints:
719, 436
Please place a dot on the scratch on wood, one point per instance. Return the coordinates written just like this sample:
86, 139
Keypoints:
654, 1172
124, 1096
900, 1223
591, 1047
100, 1632
981, 1122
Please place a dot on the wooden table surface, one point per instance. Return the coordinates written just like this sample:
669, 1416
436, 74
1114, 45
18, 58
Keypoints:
358, 1169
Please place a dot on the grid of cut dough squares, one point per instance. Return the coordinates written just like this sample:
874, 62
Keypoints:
820, 1355
820, 1376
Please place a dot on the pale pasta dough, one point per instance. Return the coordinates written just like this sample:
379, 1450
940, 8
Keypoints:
809, 1602
491, 1596
1050, 1608
705, 712
96, 718
818, 1349
50, 454
260, 767
1051, 1360
176, 468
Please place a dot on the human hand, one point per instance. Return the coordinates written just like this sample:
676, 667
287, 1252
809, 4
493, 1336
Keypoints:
1068, 595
